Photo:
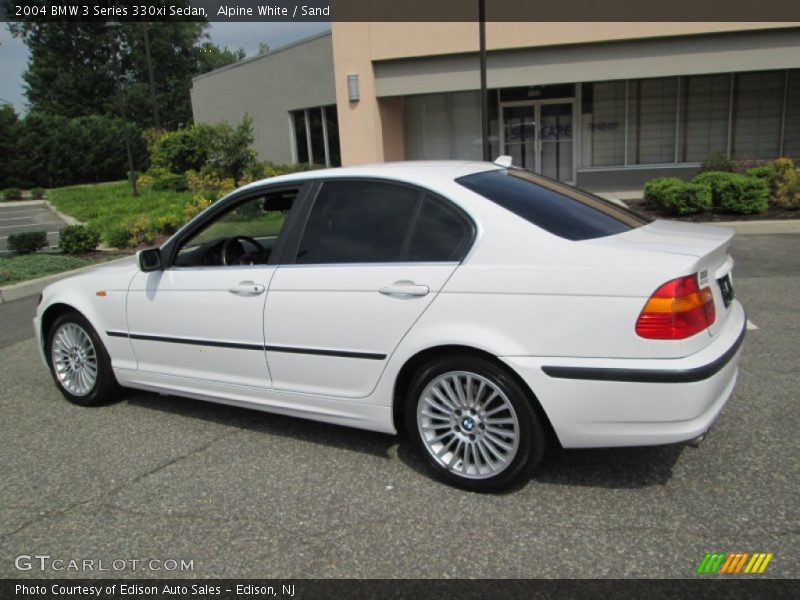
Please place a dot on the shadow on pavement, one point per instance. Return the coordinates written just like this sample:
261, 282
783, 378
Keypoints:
347, 438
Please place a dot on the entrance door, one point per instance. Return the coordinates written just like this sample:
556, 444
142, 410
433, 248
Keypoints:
539, 137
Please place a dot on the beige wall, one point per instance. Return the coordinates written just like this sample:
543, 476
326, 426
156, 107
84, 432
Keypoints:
373, 132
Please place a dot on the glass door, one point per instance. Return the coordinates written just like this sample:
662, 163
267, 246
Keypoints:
556, 146
539, 136
519, 135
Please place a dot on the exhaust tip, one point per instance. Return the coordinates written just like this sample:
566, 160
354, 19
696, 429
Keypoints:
696, 441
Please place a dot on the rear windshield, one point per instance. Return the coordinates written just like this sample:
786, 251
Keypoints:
560, 209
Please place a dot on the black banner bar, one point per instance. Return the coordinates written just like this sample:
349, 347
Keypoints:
731, 588
400, 10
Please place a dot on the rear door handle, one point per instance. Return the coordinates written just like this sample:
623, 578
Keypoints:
247, 288
405, 288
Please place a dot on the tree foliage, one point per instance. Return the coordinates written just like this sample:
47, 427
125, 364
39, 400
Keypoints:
73, 67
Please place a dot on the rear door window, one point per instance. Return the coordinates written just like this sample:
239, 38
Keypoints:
379, 222
562, 210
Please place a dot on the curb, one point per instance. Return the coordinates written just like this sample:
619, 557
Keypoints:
66, 218
35, 286
760, 227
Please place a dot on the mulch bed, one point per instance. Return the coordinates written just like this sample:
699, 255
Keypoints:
773, 213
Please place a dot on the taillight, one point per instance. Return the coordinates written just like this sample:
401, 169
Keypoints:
677, 310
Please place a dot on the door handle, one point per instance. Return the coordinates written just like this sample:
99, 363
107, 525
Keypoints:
247, 288
405, 288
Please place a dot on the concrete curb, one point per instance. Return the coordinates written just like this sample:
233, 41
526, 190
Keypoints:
35, 286
66, 218
761, 227
22, 203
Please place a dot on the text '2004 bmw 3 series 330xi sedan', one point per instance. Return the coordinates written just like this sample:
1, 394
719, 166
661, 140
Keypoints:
484, 310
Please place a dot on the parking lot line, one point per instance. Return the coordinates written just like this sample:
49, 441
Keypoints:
751, 325
47, 224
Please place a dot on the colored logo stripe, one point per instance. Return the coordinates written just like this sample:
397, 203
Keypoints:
734, 562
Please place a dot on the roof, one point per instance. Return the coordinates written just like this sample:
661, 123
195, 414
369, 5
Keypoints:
409, 171
278, 50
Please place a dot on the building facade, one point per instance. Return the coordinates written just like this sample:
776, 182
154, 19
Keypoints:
600, 105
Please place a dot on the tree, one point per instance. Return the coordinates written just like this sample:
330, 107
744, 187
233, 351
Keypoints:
72, 71
8, 146
263, 48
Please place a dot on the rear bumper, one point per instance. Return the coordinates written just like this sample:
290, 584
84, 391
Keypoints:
628, 402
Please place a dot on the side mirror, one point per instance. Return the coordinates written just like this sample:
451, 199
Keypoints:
150, 260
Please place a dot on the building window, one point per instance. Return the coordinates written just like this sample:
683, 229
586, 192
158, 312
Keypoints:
443, 126
652, 114
316, 136
603, 129
705, 109
791, 128
757, 110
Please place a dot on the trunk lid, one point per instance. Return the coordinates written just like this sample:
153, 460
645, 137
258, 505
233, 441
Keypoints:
708, 244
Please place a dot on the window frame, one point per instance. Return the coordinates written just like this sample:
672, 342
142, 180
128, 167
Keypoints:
292, 247
229, 203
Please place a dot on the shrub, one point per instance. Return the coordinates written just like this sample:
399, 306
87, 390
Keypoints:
718, 161
223, 150
206, 181
678, 197
715, 180
27, 242
164, 180
766, 173
196, 205
75, 239
12, 193
787, 192
166, 224
743, 195
117, 237
37, 193
142, 231
62, 151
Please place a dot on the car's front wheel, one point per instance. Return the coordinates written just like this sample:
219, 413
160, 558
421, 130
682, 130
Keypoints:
473, 423
78, 361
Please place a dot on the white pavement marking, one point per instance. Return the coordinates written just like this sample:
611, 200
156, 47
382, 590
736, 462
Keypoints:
47, 224
751, 325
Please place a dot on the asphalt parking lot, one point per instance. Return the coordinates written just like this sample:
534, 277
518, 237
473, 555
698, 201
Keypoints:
16, 217
246, 494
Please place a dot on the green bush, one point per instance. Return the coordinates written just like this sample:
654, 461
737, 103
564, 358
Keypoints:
27, 242
744, 196
715, 180
718, 161
12, 194
37, 193
678, 197
221, 149
76, 239
166, 181
735, 193
767, 173
61, 151
117, 237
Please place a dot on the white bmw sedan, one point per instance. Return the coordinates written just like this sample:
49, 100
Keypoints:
485, 310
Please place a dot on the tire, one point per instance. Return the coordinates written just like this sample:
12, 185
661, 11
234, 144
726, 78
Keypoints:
72, 349
483, 438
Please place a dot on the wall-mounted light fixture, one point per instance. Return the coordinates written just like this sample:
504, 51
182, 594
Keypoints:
352, 88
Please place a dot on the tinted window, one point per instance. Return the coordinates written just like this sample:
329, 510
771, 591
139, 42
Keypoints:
559, 209
440, 234
358, 222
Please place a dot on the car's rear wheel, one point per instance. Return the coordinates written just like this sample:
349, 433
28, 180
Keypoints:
78, 361
473, 423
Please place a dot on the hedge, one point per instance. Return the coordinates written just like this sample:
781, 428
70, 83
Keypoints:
678, 197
